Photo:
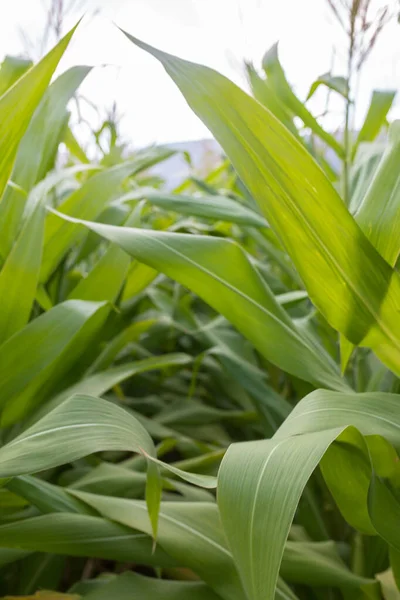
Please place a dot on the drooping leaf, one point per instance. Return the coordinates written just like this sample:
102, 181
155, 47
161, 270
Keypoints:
274, 473
197, 526
83, 425
219, 272
78, 427
333, 82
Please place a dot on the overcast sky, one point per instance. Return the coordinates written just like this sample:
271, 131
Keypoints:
219, 33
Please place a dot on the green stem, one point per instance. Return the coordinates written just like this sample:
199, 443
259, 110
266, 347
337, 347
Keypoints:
358, 555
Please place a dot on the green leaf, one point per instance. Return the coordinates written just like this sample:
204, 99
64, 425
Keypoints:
380, 104
20, 275
131, 585
98, 383
83, 425
11, 69
44, 595
302, 207
276, 76
274, 473
132, 333
394, 556
83, 535
265, 93
379, 212
197, 526
318, 564
86, 202
362, 171
80, 426
190, 533
37, 150
140, 276
210, 207
333, 82
33, 360
74, 147
8, 556
18, 104
48, 498
220, 273
105, 280
388, 585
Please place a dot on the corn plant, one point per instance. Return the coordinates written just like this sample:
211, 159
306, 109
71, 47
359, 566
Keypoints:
239, 333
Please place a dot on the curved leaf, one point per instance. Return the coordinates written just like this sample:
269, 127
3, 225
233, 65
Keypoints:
323, 240
274, 473
333, 82
220, 273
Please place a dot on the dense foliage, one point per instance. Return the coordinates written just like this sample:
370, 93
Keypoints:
239, 334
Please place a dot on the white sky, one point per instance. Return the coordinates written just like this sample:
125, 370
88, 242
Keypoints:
219, 33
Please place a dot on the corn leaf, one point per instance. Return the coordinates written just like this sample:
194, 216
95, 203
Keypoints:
274, 473
28, 376
37, 151
130, 585
18, 104
82, 535
20, 275
210, 207
100, 382
11, 69
380, 104
378, 213
276, 76
333, 82
302, 562
219, 272
302, 207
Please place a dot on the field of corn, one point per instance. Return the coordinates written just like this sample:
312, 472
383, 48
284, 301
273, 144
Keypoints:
199, 389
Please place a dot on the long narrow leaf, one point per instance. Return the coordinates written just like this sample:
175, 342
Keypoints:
219, 272
323, 240
274, 473
37, 151
18, 104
